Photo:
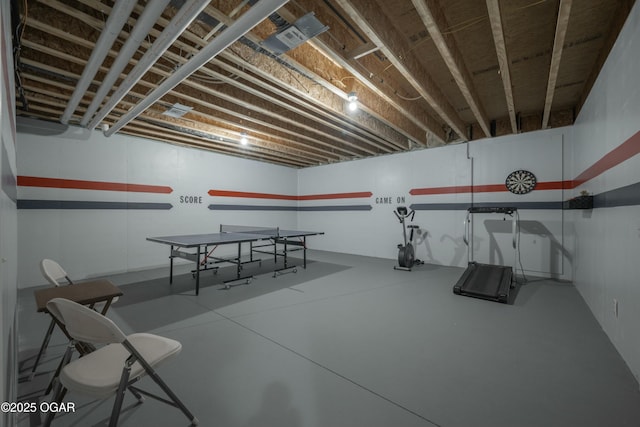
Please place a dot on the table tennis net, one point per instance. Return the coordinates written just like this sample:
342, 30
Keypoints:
268, 231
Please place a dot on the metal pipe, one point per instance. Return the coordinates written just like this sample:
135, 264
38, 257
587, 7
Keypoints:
187, 13
143, 25
243, 25
119, 15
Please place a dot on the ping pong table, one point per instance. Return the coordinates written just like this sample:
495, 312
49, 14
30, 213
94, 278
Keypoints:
196, 248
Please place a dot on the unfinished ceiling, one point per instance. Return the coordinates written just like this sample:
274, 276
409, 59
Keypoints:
278, 74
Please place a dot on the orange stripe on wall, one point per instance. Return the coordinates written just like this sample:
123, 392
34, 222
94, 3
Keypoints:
34, 181
490, 188
553, 185
360, 194
624, 151
440, 190
250, 195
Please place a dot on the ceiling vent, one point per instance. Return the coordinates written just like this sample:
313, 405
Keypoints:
295, 34
177, 110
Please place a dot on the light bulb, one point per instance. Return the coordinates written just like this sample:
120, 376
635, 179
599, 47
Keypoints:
353, 101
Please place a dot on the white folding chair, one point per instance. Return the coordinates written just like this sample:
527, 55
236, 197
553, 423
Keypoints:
54, 273
113, 368
57, 276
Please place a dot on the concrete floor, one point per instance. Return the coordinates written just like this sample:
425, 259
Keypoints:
351, 342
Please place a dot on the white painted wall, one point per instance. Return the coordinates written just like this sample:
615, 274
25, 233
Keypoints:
542, 248
377, 232
100, 241
607, 240
8, 224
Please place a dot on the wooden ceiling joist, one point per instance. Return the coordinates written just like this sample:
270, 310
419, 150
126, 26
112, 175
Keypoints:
556, 57
493, 7
380, 30
343, 127
350, 74
435, 22
424, 71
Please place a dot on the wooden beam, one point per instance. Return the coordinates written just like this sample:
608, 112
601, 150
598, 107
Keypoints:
300, 102
434, 20
237, 93
312, 95
495, 17
312, 89
340, 77
363, 82
219, 135
166, 134
267, 121
315, 156
556, 56
325, 126
39, 109
380, 31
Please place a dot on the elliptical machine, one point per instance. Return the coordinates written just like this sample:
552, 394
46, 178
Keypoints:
406, 254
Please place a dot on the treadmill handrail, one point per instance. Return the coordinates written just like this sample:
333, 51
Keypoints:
511, 211
465, 236
492, 209
514, 228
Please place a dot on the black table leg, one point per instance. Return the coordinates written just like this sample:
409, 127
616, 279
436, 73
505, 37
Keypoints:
304, 251
198, 272
171, 265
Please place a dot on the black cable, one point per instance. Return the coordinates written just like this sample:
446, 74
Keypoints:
519, 256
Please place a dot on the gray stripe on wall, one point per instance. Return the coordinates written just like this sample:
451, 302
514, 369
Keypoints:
465, 206
628, 195
82, 204
335, 208
251, 208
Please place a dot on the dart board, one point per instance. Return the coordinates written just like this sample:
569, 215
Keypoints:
520, 182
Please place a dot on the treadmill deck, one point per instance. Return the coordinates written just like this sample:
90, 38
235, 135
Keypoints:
486, 281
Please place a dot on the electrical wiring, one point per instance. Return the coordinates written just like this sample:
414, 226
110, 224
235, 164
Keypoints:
19, 32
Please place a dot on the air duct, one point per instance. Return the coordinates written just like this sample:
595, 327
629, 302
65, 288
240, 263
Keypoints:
143, 25
178, 24
243, 25
119, 15
295, 34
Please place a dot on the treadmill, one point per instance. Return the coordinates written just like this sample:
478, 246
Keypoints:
488, 281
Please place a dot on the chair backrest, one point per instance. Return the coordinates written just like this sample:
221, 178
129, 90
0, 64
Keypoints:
54, 273
85, 324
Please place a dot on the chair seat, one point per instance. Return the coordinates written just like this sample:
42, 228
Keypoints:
98, 373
